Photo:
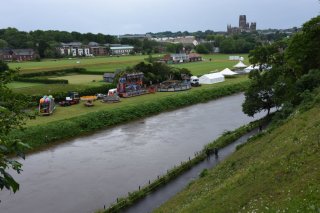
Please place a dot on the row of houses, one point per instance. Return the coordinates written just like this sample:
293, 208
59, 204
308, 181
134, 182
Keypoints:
17, 54
94, 49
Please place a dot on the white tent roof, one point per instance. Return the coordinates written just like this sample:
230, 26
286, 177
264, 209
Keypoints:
227, 71
250, 68
240, 65
211, 78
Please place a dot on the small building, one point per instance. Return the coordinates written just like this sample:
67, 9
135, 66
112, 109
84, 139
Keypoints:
108, 77
194, 57
121, 50
17, 54
176, 58
74, 49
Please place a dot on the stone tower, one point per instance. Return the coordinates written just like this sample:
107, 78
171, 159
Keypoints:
242, 21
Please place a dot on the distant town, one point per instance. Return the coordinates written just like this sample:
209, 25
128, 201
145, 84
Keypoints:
22, 46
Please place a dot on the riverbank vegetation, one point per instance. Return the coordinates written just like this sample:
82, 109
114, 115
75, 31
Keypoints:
277, 171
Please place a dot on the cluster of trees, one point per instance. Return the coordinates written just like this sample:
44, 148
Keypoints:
294, 74
158, 72
45, 42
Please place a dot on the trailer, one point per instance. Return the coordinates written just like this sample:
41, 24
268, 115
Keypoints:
46, 105
131, 84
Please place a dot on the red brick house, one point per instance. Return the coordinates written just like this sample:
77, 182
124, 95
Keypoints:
194, 57
17, 54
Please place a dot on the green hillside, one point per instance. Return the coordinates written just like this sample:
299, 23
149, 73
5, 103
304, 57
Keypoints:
276, 172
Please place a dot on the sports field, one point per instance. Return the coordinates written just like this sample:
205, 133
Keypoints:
110, 64
102, 64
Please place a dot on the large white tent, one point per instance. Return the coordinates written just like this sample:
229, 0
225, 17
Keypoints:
240, 65
250, 68
211, 78
227, 71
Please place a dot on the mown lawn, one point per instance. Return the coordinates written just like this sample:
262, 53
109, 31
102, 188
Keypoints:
81, 79
104, 63
278, 172
24, 85
110, 64
79, 109
218, 62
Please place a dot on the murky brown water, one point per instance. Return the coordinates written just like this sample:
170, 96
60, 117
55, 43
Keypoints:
89, 172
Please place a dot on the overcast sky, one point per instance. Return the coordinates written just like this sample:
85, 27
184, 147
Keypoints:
141, 16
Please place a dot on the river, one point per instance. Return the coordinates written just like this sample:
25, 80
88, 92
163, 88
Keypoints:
86, 173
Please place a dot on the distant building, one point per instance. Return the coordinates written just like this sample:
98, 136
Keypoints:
17, 54
135, 36
74, 49
121, 50
185, 40
194, 57
108, 77
97, 50
244, 26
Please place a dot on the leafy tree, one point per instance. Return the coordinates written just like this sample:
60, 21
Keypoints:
3, 44
12, 116
174, 48
202, 49
303, 52
261, 93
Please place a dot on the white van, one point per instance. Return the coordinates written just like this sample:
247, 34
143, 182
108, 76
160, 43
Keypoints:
194, 80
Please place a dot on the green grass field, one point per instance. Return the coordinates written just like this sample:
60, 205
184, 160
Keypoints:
76, 83
95, 63
79, 109
110, 64
278, 172
103, 64
218, 62
81, 79
19, 85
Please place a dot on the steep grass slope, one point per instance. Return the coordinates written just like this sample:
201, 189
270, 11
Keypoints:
279, 171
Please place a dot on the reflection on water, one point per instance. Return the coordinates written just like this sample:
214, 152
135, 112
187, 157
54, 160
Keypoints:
90, 172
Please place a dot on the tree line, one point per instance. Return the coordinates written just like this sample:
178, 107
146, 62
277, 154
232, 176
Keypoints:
45, 42
294, 73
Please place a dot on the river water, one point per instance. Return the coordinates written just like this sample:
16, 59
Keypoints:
86, 173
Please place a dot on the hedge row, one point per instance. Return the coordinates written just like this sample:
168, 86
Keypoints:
61, 72
54, 72
37, 136
41, 80
221, 142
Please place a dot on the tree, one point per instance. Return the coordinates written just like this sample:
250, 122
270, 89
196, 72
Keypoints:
261, 93
202, 49
3, 44
303, 52
12, 116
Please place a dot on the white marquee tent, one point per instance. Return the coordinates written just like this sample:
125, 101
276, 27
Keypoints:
250, 68
240, 65
227, 71
211, 78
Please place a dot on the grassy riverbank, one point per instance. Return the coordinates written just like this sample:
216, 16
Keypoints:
276, 172
77, 120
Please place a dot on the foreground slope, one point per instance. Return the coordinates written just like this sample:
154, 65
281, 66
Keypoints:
277, 172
